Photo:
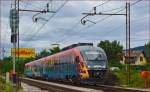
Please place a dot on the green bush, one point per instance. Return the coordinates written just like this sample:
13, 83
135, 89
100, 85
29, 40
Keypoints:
8, 88
2, 86
136, 79
5, 87
113, 63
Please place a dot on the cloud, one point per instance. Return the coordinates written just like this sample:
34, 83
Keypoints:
65, 27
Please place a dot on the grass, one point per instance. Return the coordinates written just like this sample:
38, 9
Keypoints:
136, 81
8, 87
5, 87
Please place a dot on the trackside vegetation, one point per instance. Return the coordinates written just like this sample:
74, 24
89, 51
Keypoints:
5, 87
114, 53
137, 81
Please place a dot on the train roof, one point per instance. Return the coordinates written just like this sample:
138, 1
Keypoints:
76, 45
80, 46
83, 48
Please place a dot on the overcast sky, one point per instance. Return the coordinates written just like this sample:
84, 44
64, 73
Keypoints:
64, 26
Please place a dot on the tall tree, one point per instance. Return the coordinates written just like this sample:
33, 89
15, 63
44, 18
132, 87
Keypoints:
6, 65
113, 49
54, 50
43, 53
148, 49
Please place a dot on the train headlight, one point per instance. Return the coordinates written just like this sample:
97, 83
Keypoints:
89, 66
103, 66
97, 66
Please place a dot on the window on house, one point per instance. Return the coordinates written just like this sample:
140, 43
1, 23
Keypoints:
141, 58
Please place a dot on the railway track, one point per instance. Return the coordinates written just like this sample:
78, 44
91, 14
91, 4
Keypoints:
68, 87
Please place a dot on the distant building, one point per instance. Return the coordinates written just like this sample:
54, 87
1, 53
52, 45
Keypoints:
136, 58
141, 48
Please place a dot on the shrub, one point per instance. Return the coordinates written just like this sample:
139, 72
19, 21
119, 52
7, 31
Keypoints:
8, 88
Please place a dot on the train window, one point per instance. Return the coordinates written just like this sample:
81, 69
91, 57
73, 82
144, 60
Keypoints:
93, 55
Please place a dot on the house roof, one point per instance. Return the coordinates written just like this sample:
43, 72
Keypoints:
141, 48
133, 53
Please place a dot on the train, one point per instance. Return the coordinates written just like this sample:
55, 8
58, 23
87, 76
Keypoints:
77, 63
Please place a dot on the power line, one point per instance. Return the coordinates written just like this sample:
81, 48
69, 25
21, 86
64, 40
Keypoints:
103, 3
74, 26
60, 7
63, 40
0, 32
39, 11
47, 21
34, 22
91, 25
78, 23
149, 24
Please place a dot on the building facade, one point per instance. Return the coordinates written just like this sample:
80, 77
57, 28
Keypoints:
136, 58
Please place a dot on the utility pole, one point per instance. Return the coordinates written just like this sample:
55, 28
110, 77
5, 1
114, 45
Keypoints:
149, 22
18, 30
3, 53
128, 50
14, 25
0, 30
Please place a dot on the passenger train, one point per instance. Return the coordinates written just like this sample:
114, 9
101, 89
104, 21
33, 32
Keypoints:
78, 62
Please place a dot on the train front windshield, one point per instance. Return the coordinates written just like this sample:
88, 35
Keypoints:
95, 59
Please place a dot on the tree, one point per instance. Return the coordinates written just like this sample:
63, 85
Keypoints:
43, 53
54, 50
148, 49
113, 50
6, 65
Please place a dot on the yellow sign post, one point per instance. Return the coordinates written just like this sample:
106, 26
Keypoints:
24, 52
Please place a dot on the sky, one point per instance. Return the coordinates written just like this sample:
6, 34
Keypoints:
65, 28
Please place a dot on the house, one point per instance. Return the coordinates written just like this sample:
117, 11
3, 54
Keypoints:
141, 48
137, 57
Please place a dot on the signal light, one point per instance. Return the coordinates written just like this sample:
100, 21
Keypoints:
13, 38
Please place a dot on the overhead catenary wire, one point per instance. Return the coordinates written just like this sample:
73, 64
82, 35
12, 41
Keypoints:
74, 26
46, 22
32, 28
66, 32
63, 40
78, 22
107, 32
32, 25
118, 27
91, 25
30, 38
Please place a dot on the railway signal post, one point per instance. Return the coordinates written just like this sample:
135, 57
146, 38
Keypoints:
14, 24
